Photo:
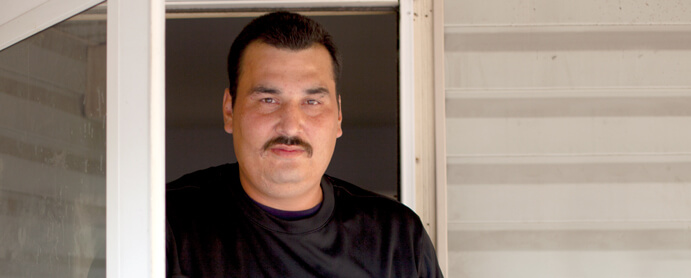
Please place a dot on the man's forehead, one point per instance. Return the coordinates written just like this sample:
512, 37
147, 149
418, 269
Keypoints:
257, 57
259, 44
272, 90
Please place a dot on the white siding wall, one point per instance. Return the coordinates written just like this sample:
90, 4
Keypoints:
568, 138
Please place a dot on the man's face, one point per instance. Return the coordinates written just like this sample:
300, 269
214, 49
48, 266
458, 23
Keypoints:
285, 120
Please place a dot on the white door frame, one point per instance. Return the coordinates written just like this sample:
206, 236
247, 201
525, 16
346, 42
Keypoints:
135, 175
407, 103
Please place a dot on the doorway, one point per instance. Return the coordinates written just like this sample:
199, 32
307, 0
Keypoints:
368, 152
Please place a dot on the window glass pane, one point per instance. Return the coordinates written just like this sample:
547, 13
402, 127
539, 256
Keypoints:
53, 151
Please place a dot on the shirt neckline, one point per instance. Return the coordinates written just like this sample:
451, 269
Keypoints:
289, 214
266, 220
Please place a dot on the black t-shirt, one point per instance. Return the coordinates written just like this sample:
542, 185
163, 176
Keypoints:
215, 230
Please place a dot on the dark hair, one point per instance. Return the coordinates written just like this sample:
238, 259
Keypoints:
281, 30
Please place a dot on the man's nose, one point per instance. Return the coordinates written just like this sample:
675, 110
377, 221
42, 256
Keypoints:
291, 120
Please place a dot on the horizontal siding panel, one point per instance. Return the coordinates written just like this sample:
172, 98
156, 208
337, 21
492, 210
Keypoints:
569, 202
527, 263
565, 225
570, 240
570, 107
566, 68
569, 173
492, 12
648, 94
566, 135
581, 37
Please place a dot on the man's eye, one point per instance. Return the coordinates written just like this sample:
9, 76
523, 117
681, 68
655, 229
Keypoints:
312, 101
268, 100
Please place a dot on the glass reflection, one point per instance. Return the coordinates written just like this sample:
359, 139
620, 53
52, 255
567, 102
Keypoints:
52, 151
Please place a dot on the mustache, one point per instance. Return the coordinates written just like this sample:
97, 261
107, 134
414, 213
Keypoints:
290, 141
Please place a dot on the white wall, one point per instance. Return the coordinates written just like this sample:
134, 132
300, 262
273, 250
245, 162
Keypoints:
568, 139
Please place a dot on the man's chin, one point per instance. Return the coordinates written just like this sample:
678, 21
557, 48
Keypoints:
287, 167
290, 171
288, 177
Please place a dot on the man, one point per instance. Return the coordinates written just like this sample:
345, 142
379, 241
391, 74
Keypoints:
275, 213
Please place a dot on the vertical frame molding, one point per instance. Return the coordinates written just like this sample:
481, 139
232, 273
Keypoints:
135, 139
440, 136
425, 181
407, 103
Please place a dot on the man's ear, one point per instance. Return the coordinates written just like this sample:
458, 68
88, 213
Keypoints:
228, 112
340, 119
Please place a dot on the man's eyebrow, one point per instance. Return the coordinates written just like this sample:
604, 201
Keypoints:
318, 90
264, 90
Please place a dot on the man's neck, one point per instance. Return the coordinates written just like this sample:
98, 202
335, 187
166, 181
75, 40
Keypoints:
297, 202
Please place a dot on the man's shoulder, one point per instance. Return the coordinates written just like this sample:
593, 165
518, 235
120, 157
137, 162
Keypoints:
200, 179
349, 190
366, 201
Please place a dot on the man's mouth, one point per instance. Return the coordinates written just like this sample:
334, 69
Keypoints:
288, 146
